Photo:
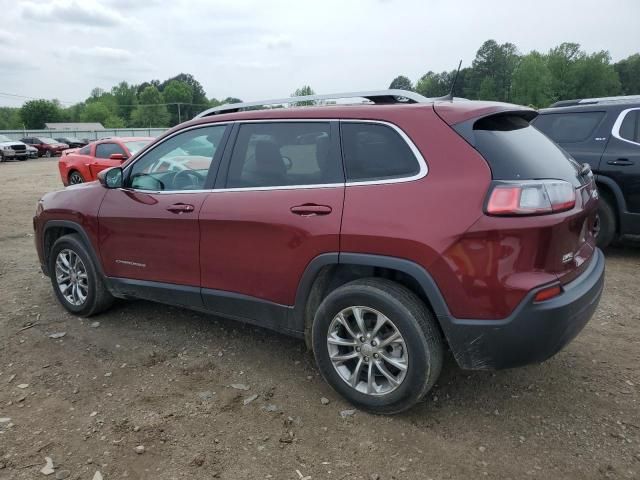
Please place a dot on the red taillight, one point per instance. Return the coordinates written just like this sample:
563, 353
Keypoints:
532, 197
547, 293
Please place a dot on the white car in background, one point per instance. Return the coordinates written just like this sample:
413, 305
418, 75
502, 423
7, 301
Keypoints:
12, 149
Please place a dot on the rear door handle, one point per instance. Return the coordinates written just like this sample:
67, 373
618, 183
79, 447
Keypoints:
623, 162
310, 209
180, 208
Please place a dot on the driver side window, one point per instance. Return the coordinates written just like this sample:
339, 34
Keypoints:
179, 163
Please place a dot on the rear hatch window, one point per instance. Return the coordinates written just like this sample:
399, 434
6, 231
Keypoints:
515, 150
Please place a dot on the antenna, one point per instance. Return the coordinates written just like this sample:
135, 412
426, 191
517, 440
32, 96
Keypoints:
449, 96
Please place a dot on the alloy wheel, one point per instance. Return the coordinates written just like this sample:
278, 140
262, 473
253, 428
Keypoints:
71, 277
75, 178
367, 350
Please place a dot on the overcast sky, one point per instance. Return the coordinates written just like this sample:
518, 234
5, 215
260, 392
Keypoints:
256, 49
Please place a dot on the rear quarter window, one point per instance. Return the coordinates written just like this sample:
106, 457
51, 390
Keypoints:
568, 127
375, 152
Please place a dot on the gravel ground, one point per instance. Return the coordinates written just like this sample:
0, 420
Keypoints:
152, 392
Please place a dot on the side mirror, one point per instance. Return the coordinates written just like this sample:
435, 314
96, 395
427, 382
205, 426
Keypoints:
117, 156
111, 177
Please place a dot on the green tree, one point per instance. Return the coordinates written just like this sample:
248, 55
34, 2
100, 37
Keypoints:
10, 118
151, 111
561, 62
126, 98
98, 111
487, 89
433, 84
595, 76
497, 63
198, 95
35, 113
401, 83
531, 83
230, 100
629, 73
304, 91
178, 92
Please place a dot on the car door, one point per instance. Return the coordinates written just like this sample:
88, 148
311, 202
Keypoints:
621, 159
149, 229
101, 159
277, 205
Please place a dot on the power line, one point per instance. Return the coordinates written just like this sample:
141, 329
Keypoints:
5, 94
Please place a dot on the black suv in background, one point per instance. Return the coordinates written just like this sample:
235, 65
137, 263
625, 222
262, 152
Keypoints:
605, 133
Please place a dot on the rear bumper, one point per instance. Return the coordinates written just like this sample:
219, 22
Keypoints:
534, 332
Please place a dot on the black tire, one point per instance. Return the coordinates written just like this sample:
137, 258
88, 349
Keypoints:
48, 154
76, 174
607, 224
22, 159
412, 320
98, 298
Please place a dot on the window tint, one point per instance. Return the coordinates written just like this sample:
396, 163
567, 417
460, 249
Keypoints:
373, 152
568, 127
85, 150
105, 150
630, 128
517, 151
175, 164
287, 153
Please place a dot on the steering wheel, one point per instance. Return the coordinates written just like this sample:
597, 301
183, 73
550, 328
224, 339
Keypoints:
188, 180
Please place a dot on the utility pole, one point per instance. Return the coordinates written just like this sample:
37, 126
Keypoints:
179, 116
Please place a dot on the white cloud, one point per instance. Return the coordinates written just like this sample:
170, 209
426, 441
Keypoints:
6, 38
101, 53
275, 42
88, 13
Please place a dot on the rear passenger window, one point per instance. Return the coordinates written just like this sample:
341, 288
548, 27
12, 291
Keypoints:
273, 154
375, 152
630, 128
85, 150
568, 127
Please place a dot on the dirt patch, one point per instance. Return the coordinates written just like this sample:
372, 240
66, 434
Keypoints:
161, 378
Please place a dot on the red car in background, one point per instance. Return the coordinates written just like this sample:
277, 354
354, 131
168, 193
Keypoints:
82, 165
47, 147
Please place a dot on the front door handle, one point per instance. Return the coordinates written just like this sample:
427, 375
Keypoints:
623, 162
311, 209
180, 208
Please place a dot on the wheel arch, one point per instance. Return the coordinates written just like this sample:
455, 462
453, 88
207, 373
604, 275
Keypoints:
329, 271
54, 229
610, 190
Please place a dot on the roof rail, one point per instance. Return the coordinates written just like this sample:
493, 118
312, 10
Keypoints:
597, 100
381, 97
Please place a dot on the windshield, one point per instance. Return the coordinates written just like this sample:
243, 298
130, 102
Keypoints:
49, 141
134, 147
4, 138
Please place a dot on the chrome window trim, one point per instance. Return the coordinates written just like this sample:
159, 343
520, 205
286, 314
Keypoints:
615, 130
422, 172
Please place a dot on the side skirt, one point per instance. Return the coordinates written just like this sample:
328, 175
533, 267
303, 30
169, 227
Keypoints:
231, 305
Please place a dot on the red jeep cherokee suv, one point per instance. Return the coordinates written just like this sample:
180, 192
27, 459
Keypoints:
381, 233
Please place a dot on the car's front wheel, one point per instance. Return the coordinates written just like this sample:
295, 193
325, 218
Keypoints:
76, 282
377, 344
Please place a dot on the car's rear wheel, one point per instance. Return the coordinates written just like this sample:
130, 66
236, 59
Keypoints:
75, 178
377, 344
605, 224
47, 154
76, 282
